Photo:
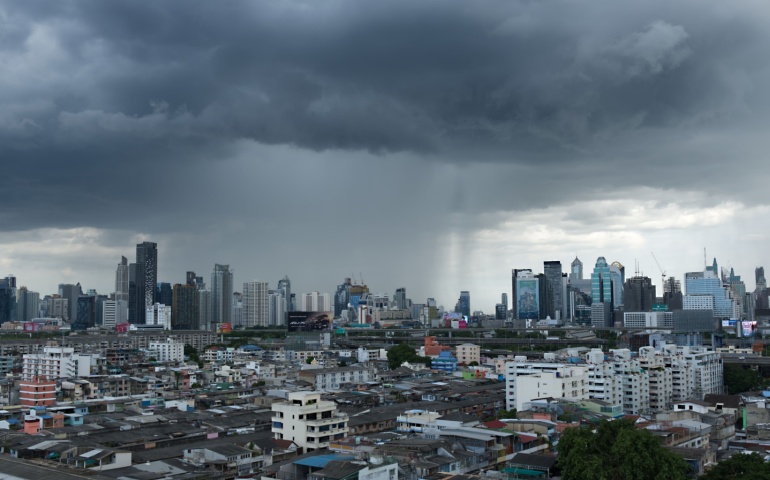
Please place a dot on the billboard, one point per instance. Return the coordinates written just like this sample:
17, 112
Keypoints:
729, 323
310, 321
122, 327
528, 301
33, 326
748, 329
224, 327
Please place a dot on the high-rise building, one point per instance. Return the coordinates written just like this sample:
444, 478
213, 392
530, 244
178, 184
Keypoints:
576, 270
759, 278
639, 294
27, 304
618, 276
601, 282
553, 301
284, 286
400, 298
71, 293
121, 280
221, 294
164, 293
504, 301
86, 313
704, 291
464, 303
185, 307
142, 294
526, 301
276, 308
255, 304
315, 302
6, 300
204, 309
342, 297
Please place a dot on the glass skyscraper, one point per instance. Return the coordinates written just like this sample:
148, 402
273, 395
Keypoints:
601, 282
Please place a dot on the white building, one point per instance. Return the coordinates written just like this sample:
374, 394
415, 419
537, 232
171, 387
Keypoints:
648, 319
169, 351
308, 421
565, 382
335, 378
158, 314
255, 304
57, 362
276, 308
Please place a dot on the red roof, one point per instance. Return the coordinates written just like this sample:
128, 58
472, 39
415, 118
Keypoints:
526, 438
495, 424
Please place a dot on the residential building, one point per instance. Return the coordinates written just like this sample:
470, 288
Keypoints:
315, 302
37, 391
55, 363
335, 378
526, 381
256, 310
171, 350
467, 353
308, 421
159, 314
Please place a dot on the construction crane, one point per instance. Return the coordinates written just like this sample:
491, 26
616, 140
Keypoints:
662, 272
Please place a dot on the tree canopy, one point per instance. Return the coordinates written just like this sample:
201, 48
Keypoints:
401, 353
617, 450
739, 379
744, 466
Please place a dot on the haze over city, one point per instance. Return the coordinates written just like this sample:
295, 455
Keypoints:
427, 145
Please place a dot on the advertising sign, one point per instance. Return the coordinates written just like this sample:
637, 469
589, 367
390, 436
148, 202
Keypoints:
32, 326
224, 327
310, 321
122, 327
748, 329
729, 323
528, 301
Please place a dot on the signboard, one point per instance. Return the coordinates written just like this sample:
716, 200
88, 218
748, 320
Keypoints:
310, 321
729, 323
528, 301
33, 326
660, 307
122, 327
748, 329
224, 327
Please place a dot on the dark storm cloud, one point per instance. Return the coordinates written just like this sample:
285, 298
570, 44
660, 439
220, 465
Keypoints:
102, 100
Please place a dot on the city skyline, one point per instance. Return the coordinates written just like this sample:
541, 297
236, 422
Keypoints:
421, 144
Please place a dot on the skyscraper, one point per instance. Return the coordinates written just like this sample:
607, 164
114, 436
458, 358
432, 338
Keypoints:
553, 290
6, 299
185, 307
145, 278
400, 298
759, 278
638, 294
121, 280
576, 271
255, 304
464, 303
221, 294
71, 293
601, 282
276, 308
27, 304
284, 286
342, 297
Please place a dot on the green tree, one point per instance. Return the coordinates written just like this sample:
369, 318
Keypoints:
401, 353
739, 379
743, 466
617, 450
309, 360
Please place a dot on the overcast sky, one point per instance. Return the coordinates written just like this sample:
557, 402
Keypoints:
433, 145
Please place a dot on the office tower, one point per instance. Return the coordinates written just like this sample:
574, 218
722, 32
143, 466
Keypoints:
204, 309
164, 293
159, 314
221, 293
185, 306
110, 314
400, 298
504, 301
27, 304
576, 270
71, 293
638, 294
276, 308
618, 277
553, 300
145, 279
58, 307
342, 297
515, 294
236, 318
255, 304
284, 286
704, 291
86, 313
6, 300
526, 303
132, 302
464, 304
759, 278
121, 280
601, 282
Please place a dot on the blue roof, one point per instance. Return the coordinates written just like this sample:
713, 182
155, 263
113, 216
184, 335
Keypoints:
320, 461
251, 347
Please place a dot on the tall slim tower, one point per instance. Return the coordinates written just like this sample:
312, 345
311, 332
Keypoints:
576, 272
121, 280
553, 286
221, 293
145, 278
